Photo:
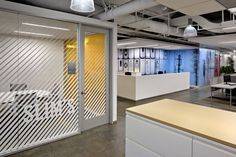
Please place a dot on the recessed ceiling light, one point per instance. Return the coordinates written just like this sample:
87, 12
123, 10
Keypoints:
32, 33
128, 43
44, 26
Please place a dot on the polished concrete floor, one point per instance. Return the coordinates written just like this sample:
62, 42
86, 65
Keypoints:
109, 140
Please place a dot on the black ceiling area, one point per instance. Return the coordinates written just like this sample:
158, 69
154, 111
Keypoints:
227, 3
158, 14
216, 17
58, 5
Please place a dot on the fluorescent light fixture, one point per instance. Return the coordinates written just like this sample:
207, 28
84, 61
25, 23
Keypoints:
44, 26
162, 47
142, 46
151, 45
32, 33
84, 6
228, 42
128, 43
226, 28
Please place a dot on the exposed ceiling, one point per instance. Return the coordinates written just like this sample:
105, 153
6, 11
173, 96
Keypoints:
223, 41
139, 43
14, 25
64, 5
227, 3
143, 22
193, 7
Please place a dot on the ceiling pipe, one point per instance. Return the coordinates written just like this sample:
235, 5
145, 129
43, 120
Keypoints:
205, 24
130, 7
135, 33
148, 25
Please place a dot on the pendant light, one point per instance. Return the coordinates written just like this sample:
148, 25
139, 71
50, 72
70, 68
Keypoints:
190, 31
83, 6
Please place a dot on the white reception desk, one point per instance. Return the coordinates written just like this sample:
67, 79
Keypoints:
142, 87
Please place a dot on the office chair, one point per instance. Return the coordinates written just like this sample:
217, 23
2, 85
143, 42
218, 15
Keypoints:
128, 73
227, 78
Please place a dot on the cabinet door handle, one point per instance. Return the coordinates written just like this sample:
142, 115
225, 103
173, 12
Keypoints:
83, 93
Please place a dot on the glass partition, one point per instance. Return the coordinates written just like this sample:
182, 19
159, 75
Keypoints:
38, 81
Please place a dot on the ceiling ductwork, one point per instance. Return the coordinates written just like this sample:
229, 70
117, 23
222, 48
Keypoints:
223, 27
127, 8
193, 7
148, 25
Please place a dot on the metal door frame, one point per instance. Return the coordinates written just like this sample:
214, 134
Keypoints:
88, 124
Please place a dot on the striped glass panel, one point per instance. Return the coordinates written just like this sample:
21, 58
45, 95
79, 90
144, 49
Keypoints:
95, 76
38, 81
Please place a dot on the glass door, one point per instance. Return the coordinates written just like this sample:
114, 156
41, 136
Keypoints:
95, 87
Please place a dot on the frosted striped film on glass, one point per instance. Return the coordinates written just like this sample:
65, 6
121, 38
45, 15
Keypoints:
38, 81
95, 75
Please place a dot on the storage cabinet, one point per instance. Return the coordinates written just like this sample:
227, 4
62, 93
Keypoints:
146, 138
157, 139
202, 149
137, 150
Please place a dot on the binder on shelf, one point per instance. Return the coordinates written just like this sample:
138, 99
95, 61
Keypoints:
148, 53
126, 65
136, 65
131, 53
157, 66
126, 54
120, 54
152, 66
157, 53
142, 53
142, 66
120, 65
147, 66
152, 53
161, 54
136, 53
131, 65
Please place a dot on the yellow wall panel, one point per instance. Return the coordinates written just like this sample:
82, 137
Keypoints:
70, 80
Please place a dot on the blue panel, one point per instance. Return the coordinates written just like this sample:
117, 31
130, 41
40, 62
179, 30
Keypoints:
182, 61
206, 66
